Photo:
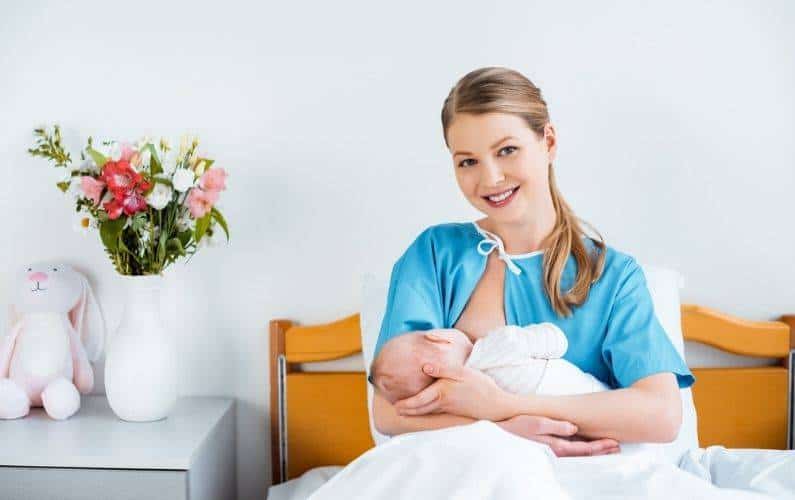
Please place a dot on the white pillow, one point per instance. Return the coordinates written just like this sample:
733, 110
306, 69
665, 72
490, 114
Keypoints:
664, 285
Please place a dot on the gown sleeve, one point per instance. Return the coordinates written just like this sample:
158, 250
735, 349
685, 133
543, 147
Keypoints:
414, 300
636, 345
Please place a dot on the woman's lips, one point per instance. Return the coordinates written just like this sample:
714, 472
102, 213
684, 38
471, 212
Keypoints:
502, 203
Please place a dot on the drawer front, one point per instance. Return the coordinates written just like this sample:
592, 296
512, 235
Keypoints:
46, 483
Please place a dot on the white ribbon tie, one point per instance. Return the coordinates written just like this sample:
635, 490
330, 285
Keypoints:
496, 242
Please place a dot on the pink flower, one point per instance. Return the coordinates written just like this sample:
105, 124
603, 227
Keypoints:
92, 188
213, 180
126, 152
200, 202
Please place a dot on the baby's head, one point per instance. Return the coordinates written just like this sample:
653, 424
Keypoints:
397, 371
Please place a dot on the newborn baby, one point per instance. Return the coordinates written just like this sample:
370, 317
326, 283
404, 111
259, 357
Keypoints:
521, 360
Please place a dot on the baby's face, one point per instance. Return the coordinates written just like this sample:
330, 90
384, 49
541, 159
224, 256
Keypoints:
398, 369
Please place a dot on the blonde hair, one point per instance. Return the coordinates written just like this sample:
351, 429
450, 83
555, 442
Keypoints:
503, 90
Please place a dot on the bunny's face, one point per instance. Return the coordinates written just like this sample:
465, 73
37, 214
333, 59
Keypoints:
46, 287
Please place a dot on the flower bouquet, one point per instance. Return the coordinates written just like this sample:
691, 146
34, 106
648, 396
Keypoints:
151, 204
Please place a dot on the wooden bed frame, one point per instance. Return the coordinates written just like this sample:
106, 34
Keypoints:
737, 407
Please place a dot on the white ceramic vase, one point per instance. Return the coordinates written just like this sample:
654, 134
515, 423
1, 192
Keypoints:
140, 371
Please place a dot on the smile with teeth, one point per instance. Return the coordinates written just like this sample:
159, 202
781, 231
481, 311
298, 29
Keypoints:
499, 198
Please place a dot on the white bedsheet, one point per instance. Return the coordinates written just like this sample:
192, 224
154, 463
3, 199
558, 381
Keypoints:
483, 461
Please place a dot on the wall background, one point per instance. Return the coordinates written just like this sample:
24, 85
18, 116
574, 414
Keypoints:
676, 124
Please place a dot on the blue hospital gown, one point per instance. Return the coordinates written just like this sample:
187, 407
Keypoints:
614, 335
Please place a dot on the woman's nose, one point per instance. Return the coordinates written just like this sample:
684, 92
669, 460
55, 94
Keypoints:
37, 276
492, 174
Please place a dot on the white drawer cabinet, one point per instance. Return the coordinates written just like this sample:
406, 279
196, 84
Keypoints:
94, 455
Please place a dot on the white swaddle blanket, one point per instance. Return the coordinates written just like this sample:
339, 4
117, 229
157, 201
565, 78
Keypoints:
529, 360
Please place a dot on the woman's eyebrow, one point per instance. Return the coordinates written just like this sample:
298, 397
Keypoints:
492, 146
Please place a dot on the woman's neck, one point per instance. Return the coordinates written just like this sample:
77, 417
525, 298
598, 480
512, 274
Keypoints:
522, 236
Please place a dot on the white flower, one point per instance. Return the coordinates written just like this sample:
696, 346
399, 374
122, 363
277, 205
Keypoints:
146, 157
169, 163
183, 179
115, 151
200, 167
183, 221
89, 165
143, 141
83, 223
159, 197
75, 189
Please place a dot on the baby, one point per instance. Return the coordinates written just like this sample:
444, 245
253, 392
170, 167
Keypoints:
521, 360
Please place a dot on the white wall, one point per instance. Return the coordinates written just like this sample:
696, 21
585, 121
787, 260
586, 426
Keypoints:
675, 121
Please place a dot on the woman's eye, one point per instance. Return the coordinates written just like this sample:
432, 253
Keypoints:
512, 148
464, 162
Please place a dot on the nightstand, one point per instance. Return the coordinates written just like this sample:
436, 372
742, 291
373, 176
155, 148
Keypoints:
94, 454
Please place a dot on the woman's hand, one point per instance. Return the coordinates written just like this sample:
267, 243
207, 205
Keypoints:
559, 435
460, 391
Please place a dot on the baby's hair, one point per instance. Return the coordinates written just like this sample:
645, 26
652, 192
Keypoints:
394, 381
503, 90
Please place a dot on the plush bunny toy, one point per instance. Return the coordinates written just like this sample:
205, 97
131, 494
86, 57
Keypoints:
56, 329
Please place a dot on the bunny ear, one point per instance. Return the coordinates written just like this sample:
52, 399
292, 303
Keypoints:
87, 320
13, 316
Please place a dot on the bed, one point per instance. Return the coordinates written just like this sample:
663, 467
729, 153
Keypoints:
738, 407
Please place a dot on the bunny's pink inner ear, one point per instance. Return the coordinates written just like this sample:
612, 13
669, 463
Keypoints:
13, 316
77, 312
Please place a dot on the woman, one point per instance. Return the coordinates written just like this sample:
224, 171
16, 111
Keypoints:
497, 129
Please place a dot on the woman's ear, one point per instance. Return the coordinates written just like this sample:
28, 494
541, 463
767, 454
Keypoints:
87, 320
550, 141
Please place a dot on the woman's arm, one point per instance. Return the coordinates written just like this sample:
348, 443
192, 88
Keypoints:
654, 401
389, 422
648, 411
555, 433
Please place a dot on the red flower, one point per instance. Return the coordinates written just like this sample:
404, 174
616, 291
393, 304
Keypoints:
127, 187
119, 175
113, 207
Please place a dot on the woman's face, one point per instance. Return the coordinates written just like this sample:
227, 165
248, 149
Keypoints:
498, 154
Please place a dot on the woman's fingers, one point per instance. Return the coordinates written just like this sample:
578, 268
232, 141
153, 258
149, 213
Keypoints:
555, 427
443, 371
565, 448
424, 401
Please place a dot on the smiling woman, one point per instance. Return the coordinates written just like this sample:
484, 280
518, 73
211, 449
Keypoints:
497, 125
497, 129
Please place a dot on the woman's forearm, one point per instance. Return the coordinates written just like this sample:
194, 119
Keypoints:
646, 412
389, 422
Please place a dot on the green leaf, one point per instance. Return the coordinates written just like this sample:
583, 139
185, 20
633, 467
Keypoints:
138, 221
201, 226
63, 186
161, 247
109, 232
155, 167
184, 237
98, 157
220, 218
174, 245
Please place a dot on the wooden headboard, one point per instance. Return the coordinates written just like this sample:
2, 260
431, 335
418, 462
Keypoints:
320, 418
